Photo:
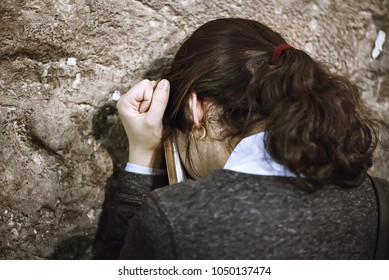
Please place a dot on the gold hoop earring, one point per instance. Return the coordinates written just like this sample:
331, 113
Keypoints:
204, 132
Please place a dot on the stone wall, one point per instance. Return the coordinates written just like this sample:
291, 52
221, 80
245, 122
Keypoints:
61, 141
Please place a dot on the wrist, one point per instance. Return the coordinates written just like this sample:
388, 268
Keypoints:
151, 159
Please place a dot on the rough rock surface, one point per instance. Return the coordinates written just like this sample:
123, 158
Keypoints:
61, 141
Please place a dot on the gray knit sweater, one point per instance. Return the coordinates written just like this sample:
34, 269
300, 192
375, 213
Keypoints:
231, 215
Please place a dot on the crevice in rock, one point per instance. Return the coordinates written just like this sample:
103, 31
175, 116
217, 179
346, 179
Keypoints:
39, 51
36, 141
154, 5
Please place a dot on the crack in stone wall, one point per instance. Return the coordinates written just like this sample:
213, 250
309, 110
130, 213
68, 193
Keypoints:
61, 139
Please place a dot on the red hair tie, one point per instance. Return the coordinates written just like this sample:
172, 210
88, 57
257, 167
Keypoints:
278, 51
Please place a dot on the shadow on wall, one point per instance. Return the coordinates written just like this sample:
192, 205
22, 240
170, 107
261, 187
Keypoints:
109, 131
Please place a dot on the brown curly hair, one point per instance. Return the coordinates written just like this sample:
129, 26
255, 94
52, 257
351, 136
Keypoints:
315, 121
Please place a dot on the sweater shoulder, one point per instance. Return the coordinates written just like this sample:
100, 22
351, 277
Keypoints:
243, 216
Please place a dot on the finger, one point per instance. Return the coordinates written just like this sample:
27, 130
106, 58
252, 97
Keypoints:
132, 99
147, 96
159, 102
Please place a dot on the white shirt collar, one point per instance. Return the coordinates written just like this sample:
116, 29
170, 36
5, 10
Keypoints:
250, 156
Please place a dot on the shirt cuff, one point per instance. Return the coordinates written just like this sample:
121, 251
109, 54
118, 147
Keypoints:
130, 167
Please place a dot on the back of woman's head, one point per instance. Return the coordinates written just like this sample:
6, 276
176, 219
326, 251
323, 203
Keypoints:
315, 122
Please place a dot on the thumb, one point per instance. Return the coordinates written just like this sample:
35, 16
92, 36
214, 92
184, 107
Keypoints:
159, 101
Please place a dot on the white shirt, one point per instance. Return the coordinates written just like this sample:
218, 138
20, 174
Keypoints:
249, 156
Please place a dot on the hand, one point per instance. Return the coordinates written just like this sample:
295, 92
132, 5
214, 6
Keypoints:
141, 110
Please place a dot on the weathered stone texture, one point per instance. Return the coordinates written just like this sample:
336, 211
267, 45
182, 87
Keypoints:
60, 136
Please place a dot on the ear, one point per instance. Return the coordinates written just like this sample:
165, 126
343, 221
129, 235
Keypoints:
197, 111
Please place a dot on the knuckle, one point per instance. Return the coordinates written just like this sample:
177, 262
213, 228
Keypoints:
146, 82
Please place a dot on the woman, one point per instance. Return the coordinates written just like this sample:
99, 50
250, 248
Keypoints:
278, 146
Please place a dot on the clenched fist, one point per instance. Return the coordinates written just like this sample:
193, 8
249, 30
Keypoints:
141, 110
